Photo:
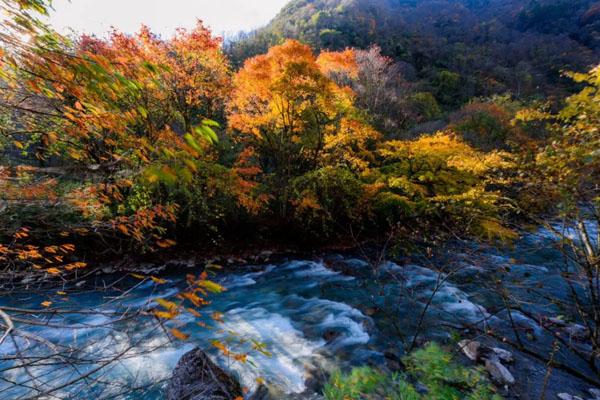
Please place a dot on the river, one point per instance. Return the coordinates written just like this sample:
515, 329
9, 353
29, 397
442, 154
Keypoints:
296, 320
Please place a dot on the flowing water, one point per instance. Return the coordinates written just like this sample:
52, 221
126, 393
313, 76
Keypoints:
307, 316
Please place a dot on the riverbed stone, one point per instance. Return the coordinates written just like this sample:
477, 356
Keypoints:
330, 335
471, 348
504, 355
196, 377
557, 321
595, 393
261, 393
499, 373
567, 396
577, 332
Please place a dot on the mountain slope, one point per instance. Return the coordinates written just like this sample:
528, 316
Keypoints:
495, 46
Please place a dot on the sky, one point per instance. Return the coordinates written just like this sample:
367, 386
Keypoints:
163, 16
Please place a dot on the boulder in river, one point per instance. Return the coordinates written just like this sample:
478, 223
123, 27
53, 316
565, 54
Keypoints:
331, 335
261, 393
196, 377
499, 373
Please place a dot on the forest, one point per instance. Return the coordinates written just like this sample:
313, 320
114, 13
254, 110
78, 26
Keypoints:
364, 199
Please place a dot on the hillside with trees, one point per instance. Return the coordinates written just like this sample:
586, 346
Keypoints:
453, 49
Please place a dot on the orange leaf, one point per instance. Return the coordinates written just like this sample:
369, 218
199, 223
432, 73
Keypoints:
179, 335
241, 358
166, 243
166, 314
123, 229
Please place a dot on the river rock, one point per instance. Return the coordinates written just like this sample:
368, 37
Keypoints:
566, 396
499, 373
504, 355
196, 377
577, 332
595, 393
557, 321
261, 393
331, 335
471, 348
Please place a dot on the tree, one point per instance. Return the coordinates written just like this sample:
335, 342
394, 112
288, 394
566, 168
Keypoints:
286, 108
486, 126
191, 76
378, 83
100, 127
441, 178
565, 174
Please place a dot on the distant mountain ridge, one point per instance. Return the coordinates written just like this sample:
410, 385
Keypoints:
495, 45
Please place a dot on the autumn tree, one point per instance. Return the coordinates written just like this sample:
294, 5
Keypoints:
564, 178
114, 115
287, 109
191, 76
378, 82
486, 125
442, 178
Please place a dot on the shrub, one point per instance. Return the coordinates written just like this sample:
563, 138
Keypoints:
425, 106
431, 366
327, 201
485, 126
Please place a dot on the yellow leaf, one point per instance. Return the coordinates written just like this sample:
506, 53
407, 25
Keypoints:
53, 271
46, 303
211, 286
158, 280
169, 305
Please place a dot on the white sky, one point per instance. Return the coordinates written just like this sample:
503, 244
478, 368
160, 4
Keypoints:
163, 16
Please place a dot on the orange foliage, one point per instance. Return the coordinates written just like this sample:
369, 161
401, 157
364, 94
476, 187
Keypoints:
341, 63
290, 112
189, 73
